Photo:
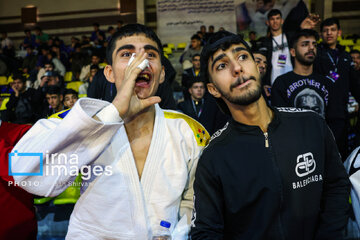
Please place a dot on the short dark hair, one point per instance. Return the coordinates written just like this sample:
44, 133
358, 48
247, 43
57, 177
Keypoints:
264, 53
220, 40
53, 90
303, 33
195, 36
355, 51
131, 30
196, 80
195, 55
49, 63
211, 26
19, 76
329, 22
96, 24
71, 91
274, 12
94, 66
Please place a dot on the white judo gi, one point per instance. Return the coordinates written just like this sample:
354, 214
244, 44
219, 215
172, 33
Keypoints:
117, 205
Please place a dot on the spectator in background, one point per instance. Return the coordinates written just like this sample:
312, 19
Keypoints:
119, 25
61, 55
194, 49
334, 62
58, 66
262, 63
51, 78
23, 105
277, 44
54, 98
7, 45
190, 74
111, 31
302, 88
41, 37
48, 67
210, 32
85, 71
355, 56
96, 32
253, 42
29, 63
6, 42
202, 107
70, 98
203, 30
29, 40
84, 87
77, 59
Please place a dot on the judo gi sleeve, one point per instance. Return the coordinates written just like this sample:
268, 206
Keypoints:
56, 149
336, 190
207, 220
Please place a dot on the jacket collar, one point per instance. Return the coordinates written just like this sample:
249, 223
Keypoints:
338, 46
249, 128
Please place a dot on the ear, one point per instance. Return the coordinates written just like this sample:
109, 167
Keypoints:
61, 98
109, 74
162, 75
292, 52
213, 90
339, 33
282, 21
267, 22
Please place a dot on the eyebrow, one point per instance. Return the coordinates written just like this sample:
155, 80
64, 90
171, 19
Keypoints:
151, 47
132, 47
218, 58
221, 56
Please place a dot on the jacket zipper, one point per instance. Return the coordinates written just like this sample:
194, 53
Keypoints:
266, 135
267, 145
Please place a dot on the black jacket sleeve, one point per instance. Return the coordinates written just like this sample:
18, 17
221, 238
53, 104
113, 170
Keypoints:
278, 94
207, 221
11, 104
336, 191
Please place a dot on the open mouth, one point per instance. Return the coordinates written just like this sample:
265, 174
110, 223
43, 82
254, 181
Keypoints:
143, 80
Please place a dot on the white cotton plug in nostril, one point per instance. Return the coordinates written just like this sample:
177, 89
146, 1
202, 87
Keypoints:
142, 65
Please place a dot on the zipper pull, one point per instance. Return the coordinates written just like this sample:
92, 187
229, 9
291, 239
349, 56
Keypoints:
266, 139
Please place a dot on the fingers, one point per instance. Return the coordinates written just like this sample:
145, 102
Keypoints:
150, 101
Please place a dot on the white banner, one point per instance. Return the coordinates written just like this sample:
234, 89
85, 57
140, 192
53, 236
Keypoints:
178, 20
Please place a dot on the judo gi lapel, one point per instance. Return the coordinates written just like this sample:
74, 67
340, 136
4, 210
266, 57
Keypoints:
142, 188
155, 154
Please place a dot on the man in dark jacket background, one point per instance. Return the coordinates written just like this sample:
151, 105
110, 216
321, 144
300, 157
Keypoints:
334, 62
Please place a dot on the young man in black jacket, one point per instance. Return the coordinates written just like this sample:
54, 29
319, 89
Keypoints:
270, 173
334, 62
302, 88
23, 105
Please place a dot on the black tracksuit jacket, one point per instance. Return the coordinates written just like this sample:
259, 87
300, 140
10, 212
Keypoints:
290, 186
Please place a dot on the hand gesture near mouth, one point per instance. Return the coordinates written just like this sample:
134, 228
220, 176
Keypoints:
126, 101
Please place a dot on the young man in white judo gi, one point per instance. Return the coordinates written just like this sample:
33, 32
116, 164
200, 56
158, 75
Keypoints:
139, 160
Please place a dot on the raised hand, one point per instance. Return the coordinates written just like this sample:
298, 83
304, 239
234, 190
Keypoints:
126, 101
310, 21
